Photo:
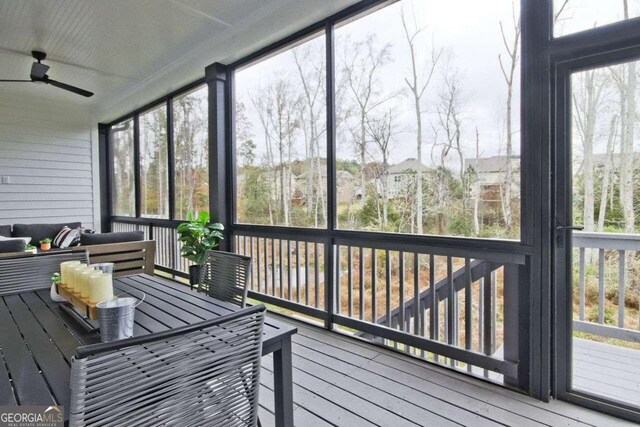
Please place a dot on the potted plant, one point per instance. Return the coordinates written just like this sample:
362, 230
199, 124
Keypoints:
198, 236
55, 281
32, 249
45, 244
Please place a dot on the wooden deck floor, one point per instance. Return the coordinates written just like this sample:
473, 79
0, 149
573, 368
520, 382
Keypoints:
606, 370
344, 382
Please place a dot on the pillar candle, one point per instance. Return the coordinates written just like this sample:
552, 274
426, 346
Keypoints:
92, 282
64, 270
84, 281
74, 275
101, 287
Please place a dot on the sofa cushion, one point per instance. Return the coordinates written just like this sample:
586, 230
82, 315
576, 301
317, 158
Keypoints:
26, 240
118, 237
12, 245
5, 230
39, 232
67, 237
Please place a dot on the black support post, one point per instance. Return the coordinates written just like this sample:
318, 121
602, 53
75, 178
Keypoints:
216, 78
105, 160
136, 164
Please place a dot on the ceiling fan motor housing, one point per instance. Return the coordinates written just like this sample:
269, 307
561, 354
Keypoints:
38, 71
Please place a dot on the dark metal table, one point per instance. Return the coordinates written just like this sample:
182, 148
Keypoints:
38, 339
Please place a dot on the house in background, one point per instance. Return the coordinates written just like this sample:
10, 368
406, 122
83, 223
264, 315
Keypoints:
401, 175
345, 185
490, 177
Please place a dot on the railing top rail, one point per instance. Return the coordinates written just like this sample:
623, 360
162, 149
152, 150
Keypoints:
613, 241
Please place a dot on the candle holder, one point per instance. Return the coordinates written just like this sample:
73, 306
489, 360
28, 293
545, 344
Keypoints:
83, 305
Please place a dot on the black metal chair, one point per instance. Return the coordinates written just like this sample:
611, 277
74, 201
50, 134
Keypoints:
202, 374
29, 272
225, 276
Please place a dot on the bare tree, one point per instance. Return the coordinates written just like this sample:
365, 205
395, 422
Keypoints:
477, 191
624, 77
362, 63
450, 118
508, 69
283, 114
309, 59
606, 173
382, 130
418, 82
261, 102
588, 101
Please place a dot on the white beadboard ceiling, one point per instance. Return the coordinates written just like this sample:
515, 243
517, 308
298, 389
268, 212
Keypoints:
129, 52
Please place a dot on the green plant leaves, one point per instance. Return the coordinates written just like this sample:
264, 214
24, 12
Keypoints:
198, 236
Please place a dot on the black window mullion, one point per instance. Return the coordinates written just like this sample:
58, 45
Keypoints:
330, 248
136, 162
171, 153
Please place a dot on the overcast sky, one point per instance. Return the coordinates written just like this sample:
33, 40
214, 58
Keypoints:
469, 32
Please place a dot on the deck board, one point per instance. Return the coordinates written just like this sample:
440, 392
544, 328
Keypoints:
342, 381
606, 370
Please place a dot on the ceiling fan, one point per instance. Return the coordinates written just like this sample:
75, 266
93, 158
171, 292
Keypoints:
39, 75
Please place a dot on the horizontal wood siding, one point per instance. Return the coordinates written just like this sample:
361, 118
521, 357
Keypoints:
48, 154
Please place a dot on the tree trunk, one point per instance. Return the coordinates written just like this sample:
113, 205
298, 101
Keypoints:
606, 174
476, 201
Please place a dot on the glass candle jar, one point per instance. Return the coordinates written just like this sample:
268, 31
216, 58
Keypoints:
84, 282
64, 270
100, 287
74, 275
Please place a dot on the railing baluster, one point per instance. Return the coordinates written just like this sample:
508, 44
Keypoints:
258, 264
621, 286
306, 274
434, 312
601, 286
273, 267
468, 308
451, 307
361, 281
338, 284
252, 258
494, 310
481, 303
374, 287
289, 269
298, 272
281, 266
582, 282
349, 281
316, 270
387, 275
416, 295
401, 272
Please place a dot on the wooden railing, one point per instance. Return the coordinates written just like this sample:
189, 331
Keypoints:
380, 289
613, 256
383, 292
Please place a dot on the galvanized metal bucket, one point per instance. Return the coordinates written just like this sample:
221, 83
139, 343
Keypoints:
116, 317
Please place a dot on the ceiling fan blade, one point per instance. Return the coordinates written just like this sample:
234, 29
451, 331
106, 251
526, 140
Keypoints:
67, 87
38, 70
15, 81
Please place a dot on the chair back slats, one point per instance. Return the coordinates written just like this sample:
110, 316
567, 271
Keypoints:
225, 276
209, 375
32, 272
128, 257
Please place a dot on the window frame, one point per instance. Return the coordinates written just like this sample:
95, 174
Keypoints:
521, 245
134, 116
139, 189
172, 156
